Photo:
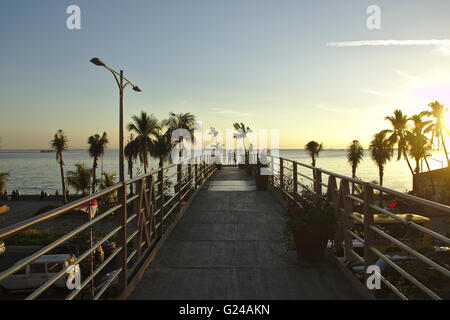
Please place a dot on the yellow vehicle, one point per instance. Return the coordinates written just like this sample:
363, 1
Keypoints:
408, 235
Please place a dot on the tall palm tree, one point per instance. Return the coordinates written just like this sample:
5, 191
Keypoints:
355, 153
131, 152
419, 144
59, 143
381, 151
184, 121
80, 179
145, 127
400, 127
242, 132
97, 146
437, 127
3, 180
419, 147
313, 148
162, 146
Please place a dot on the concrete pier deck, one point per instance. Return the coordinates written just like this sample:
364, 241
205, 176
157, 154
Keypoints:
227, 246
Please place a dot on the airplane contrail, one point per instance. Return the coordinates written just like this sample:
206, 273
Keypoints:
361, 43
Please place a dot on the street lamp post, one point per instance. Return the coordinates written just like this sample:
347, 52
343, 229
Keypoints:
122, 193
119, 79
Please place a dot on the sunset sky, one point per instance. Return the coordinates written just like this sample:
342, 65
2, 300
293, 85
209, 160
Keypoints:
264, 63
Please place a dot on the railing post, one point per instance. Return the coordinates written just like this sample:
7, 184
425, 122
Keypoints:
179, 176
161, 201
272, 178
334, 193
295, 176
369, 256
318, 182
137, 207
347, 220
281, 174
196, 174
189, 176
122, 239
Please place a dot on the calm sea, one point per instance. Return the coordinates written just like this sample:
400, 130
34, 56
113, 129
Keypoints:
33, 171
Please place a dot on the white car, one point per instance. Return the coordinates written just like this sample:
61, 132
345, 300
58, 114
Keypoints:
37, 273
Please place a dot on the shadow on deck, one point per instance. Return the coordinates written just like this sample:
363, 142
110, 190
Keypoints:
227, 246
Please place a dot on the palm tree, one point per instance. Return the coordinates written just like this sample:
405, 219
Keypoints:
437, 127
399, 123
381, 152
184, 121
80, 179
241, 133
162, 146
3, 180
97, 146
59, 144
131, 152
145, 126
355, 153
419, 144
313, 148
109, 179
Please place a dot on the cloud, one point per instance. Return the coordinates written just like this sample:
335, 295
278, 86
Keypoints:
361, 43
338, 110
407, 76
378, 93
442, 50
230, 112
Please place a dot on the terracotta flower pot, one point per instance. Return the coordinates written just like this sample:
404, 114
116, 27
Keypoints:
249, 169
261, 182
311, 241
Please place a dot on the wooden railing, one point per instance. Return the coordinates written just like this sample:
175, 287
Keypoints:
290, 175
142, 223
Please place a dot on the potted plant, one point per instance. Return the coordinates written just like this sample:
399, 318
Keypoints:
310, 220
261, 180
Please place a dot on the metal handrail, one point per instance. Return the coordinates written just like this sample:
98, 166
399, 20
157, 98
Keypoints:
202, 171
343, 213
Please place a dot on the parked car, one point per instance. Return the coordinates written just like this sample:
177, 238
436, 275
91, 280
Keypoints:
37, 273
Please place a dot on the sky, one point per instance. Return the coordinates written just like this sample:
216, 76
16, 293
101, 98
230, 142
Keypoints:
261, 62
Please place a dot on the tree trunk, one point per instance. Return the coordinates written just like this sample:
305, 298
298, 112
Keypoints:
407, 161
431, 178
130, 173
161, 162
61, 166
380, 171
354, 177
417, 170
445, 149
93, 174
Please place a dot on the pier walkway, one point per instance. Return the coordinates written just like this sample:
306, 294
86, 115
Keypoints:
228, 246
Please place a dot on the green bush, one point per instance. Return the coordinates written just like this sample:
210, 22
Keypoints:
33, 237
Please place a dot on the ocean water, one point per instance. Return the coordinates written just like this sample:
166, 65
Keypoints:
32, 171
